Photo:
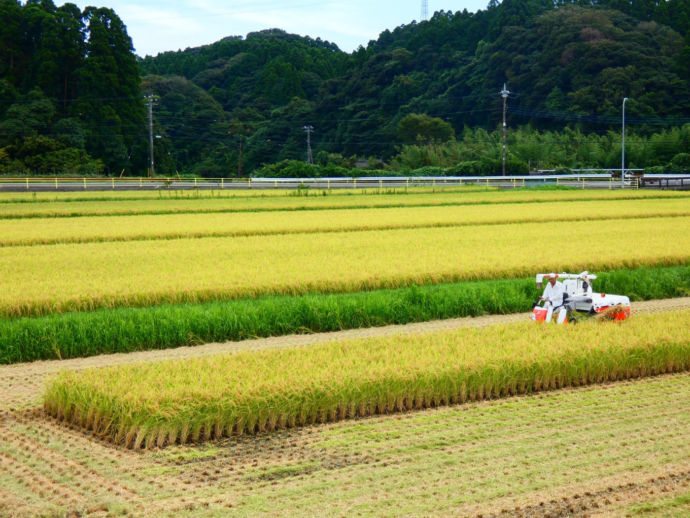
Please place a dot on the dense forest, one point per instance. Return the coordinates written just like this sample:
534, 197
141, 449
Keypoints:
424, 95
70, 98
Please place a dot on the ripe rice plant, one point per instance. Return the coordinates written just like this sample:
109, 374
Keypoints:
39, 280
125, 330
30, 231
159, 403
169, 194
199, 204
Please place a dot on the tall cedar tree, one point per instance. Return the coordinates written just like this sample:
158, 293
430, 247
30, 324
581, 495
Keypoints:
82, 64
110, 100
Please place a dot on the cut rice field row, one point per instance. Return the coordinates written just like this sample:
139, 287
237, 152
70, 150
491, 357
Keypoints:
193, 204
159, 403
30, 231
58, 278
618, 449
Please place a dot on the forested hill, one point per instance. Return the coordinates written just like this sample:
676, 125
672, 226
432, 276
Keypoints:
261, 89
566, 63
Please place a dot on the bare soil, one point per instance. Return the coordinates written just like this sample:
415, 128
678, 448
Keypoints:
49, 469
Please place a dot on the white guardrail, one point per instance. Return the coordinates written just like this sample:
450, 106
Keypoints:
381, 182
583, 181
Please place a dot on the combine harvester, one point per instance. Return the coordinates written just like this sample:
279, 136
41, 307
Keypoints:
579, 301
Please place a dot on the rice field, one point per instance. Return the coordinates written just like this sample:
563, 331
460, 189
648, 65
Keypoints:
154, 404
125, 330
233, 265
69, 205
617, 449
31, 231
88, 273
77, 277
120, 195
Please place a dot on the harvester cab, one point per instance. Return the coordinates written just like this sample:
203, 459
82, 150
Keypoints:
580, 301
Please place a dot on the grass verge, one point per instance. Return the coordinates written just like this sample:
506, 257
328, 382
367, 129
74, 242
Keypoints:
80, 334
669, 507
159, 403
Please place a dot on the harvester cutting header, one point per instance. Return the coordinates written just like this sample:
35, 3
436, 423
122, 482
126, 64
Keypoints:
574, 299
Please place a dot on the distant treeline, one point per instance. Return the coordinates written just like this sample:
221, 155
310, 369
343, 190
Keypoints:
478, 153
71, 92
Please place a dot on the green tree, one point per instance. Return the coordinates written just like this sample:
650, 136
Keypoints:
11, 55
68, 48
110, 101
29, 117
423, 128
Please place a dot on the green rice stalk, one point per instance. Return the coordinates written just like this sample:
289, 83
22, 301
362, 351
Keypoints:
137, 329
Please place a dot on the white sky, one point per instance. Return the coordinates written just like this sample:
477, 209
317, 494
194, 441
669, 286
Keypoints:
156, 25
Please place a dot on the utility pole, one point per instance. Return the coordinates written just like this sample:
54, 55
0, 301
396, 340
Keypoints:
623, 148
309, 130
149, 102
504, 93
239, 160
425, 10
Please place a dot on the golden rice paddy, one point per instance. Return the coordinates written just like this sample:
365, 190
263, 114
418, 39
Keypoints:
28, 231
58, 278
186, 400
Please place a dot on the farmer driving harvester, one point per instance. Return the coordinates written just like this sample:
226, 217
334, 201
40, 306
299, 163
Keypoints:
574, 299
553, 297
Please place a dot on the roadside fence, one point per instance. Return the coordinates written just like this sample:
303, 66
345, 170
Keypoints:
582, 181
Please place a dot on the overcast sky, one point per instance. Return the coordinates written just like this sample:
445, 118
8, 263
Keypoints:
156, 25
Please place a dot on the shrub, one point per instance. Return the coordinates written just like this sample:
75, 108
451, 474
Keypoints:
680, 163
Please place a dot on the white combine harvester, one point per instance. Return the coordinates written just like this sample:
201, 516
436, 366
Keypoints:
580, 301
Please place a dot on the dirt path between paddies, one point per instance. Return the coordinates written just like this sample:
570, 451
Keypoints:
21, 385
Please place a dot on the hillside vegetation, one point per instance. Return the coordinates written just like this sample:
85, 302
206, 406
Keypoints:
227, 108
